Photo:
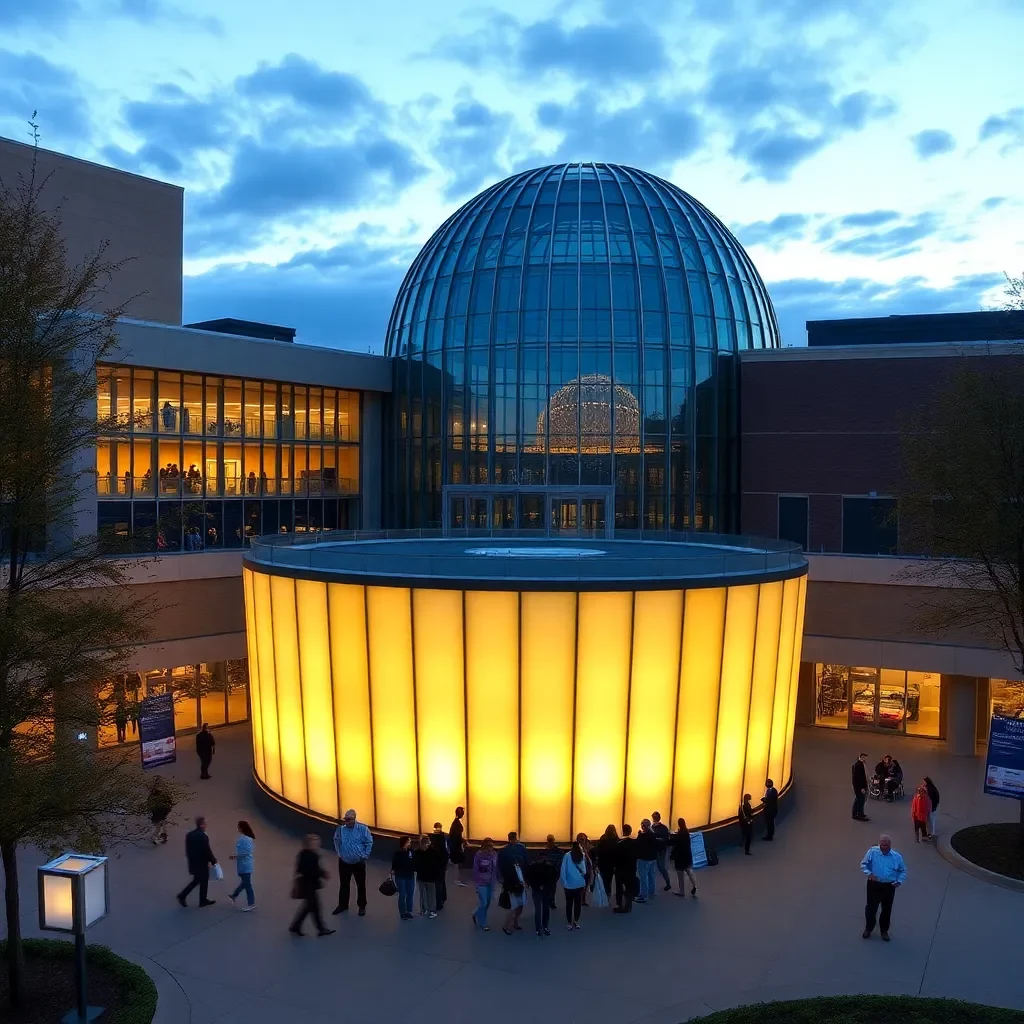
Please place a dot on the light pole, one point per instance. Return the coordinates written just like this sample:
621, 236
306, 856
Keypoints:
74, 893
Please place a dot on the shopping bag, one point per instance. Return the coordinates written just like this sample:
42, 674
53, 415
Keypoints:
504, 901
217, 873
387, 887
600, 893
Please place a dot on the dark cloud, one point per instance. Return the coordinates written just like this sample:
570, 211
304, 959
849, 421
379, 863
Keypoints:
891, 242
617, 50
1008, 127
47, 14
309, 86
30, 83
341, 307
654, 132
773, 234
932, 142
870, 219
147, 159
773, 155
797, 300
993, 201
148, 12
470, 146
176, 122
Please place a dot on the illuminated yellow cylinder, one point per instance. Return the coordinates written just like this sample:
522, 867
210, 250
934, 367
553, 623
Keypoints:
539, 710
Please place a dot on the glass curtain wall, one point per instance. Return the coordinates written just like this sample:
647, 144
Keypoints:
571, 326
186, 462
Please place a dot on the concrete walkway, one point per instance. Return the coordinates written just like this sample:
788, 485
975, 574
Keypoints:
781, 924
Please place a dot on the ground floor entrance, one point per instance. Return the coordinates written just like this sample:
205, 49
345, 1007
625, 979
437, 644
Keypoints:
547, 511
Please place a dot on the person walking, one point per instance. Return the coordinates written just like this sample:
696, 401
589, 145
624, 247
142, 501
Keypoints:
886, 873
588, 864
441, 845
682, 858
403, 873
646, 860
309, 879
457, 845
159, 803
352, 843
428, 864
200, 858
933, 799
485, 874
243, 864
625, 871
607, 854
542, 879
860, 787
205, 744
746, 816
660, 829
511, 866
770, 806
920, 808
552, 853
573, 875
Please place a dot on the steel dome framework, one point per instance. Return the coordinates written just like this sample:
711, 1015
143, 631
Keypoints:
550, 292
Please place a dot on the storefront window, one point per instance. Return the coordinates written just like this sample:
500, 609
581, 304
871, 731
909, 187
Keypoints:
1007, 697
879, 699
923, 691
213, 693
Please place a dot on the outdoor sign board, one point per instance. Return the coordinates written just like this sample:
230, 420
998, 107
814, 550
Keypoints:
700, 854
1004, 766
156, 730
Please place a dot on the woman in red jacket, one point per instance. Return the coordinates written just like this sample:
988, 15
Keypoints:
920, 807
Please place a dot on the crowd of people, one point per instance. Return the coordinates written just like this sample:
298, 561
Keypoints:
887, 784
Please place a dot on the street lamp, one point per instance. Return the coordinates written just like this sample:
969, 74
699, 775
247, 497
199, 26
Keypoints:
74, 893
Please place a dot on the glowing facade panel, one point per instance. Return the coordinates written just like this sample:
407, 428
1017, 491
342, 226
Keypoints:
540, 711
255, 711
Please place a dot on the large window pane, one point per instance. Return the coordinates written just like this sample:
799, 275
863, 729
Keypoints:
301, 423
892, 699
192, 405
192, 462
869, 526
270, 410
233, 537
251, 468
348, 415
142, 401
233, 469
105, 486
169, 460
212, 405
348, 470
213, 684
104, 398
238, 686
316, 399
253, 414
923, 698
232, 408
169, 402
122, 396
142, 469
214, 480
793, 519
268, 475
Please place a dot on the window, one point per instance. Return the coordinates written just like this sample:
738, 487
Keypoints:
869, 526
793, 519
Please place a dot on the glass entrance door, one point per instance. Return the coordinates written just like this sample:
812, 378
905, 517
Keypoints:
565, 515
593, 516
878, 699
863, 697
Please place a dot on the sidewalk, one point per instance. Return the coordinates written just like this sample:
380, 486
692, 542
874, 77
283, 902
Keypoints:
781, 924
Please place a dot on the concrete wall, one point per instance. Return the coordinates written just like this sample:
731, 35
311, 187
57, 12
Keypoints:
139, 218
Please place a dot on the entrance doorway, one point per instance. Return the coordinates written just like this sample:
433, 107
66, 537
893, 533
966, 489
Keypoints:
545, 511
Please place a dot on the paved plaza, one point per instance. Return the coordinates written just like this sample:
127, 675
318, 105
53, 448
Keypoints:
781, 924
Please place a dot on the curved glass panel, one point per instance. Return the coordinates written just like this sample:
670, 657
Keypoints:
571, 326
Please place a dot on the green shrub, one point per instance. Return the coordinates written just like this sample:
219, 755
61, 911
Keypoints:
866, 1010
138, 993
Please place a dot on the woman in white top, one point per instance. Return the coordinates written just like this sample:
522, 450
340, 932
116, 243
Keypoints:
573, 877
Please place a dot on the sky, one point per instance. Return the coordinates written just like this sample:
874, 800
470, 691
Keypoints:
868, 154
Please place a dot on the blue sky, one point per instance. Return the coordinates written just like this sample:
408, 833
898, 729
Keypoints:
867, 153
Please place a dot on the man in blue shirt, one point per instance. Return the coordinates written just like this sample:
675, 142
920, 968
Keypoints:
886, 873
352, 843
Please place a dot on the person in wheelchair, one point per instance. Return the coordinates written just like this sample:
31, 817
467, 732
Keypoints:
888, 779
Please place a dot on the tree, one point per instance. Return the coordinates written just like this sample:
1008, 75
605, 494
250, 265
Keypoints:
1014, 292
65, 618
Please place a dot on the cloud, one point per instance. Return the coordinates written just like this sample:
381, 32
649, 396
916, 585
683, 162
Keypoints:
309, 87
870, 219
470, 144
773, 234
932, 142
654, 132
613, 51
178, 122
774, 155
892, 242
47, 14
30, 83
148, 12
993, 201
797, 300
1008, 126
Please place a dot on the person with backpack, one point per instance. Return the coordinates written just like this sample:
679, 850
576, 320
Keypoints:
159, 803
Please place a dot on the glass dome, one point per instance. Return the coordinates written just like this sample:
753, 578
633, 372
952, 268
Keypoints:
573, 327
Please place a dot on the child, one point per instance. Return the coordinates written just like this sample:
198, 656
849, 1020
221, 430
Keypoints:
920, 807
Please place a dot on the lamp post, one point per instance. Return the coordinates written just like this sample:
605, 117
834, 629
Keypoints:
74, 893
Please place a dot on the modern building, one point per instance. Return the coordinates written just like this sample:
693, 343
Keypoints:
581, 350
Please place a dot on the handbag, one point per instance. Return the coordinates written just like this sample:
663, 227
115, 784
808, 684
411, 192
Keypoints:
217, 873
387, 887
600, 893
504, 900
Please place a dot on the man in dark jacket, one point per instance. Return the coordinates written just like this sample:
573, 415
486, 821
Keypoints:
552, 853
199, 857
860, 787
204, 748
647, 845
542, 878
439, 841
625, 871
770, 805
746, 816
660, 829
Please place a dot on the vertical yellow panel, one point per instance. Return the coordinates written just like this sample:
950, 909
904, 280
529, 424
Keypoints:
268, 680
347, 609
602, 708
703, 629
657, 633
317, 698
780, 706
492, 710
393, 708
289, 690
440, 703
548, 665
798, 643
734, 701
762, 696
255, 711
